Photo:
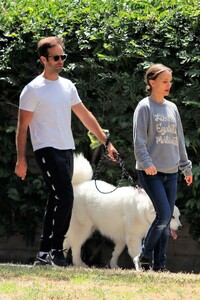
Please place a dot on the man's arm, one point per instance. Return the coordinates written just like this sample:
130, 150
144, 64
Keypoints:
24, 118
91, 123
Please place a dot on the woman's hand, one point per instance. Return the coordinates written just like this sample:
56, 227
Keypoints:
151, 170
189, 179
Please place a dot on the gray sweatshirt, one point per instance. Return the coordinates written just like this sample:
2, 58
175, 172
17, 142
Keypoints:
158, 138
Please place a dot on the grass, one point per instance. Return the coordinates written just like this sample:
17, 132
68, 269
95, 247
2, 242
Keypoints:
28, 283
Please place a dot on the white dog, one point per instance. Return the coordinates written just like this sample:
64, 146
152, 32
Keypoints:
123, 215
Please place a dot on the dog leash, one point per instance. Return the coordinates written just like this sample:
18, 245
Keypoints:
125, 173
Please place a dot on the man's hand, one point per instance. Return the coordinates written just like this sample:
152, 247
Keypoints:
21, 169
112, 151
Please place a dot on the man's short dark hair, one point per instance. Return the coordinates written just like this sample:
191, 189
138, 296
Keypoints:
47, 43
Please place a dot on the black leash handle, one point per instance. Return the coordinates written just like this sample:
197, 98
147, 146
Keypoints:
107, 141
118, 158
95, 176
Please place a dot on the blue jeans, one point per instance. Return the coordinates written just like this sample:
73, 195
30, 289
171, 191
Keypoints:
161, 189
160, 250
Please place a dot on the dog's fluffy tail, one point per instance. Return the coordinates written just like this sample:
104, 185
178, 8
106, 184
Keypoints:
82, 170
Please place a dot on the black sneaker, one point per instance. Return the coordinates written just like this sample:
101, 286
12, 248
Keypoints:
56, 258
41, 260
141, 263
161, 270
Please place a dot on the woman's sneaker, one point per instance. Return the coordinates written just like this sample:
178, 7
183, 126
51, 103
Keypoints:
161, 270
141, 263
41, 260
56, 258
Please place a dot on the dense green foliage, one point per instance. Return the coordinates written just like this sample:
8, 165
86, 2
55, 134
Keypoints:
109, 46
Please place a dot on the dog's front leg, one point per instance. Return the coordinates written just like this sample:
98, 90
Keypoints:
134, 244
76, 256
119, 247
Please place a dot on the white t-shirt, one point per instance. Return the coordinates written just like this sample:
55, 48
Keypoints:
51, 102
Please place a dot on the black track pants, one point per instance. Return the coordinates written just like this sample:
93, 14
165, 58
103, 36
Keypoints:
57, 169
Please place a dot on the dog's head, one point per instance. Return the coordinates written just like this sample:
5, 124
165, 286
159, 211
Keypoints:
175, 223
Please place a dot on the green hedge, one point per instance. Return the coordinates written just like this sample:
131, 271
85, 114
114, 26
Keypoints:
109, 46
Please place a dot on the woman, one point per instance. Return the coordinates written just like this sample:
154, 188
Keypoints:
159, 149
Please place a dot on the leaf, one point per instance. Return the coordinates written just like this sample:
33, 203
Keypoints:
13, 194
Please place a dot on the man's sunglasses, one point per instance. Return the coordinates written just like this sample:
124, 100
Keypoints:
57, 57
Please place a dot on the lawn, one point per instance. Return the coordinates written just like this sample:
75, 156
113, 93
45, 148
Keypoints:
19, 282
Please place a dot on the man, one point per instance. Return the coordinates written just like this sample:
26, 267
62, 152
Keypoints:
45, 108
